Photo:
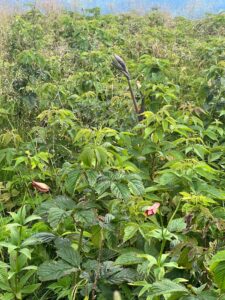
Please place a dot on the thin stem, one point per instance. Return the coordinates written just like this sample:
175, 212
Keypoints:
163, 238
133, 97
163, 244
80, 240
77, 274
173, 215
98, 269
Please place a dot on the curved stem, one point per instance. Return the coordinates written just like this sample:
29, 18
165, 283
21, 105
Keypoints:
133, 97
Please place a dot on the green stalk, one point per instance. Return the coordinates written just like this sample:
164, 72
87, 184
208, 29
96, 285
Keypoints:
163, 239
76, 275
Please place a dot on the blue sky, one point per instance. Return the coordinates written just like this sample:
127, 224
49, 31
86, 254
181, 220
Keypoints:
191, 8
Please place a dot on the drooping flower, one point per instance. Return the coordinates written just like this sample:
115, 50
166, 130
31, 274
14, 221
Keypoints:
151, 210
41, 187
119, 63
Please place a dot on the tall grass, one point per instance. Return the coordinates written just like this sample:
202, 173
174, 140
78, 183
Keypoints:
6, 13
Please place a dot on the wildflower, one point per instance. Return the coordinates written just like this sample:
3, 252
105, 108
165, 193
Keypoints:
119, 63
151, 210
41, 187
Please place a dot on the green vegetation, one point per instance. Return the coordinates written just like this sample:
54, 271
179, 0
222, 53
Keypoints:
96, 201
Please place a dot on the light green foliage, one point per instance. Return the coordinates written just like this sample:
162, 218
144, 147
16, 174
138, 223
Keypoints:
67, 120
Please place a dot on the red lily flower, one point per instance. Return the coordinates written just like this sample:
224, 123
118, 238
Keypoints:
152, 209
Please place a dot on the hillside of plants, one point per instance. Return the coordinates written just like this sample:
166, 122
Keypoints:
112, 157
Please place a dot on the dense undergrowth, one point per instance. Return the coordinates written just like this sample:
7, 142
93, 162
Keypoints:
67, 120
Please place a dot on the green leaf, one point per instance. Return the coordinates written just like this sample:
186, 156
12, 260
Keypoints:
56, 216
53, 270
96, 235
217, 258
167, 286
26, 252
92, 177
7, 296
120, 190
219, 275
23, 280
125, 275
87, 156
64, 202
102, 186
29, 289
129, 258
86, 217
130, 231
31, 218
101, 155
70, 255
39, 238
71, 181
177, 225
135, 185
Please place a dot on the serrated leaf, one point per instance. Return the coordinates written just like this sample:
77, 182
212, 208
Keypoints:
136, 186
64, 202
92, 177
56, 216
71, 181
125, 275
53, 270
167, 286
120, 190
70, 255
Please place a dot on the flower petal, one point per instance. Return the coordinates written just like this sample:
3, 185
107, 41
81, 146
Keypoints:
41, 187
152, 209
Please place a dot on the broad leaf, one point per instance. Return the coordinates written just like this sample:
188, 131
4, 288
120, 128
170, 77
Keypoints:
53, 270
